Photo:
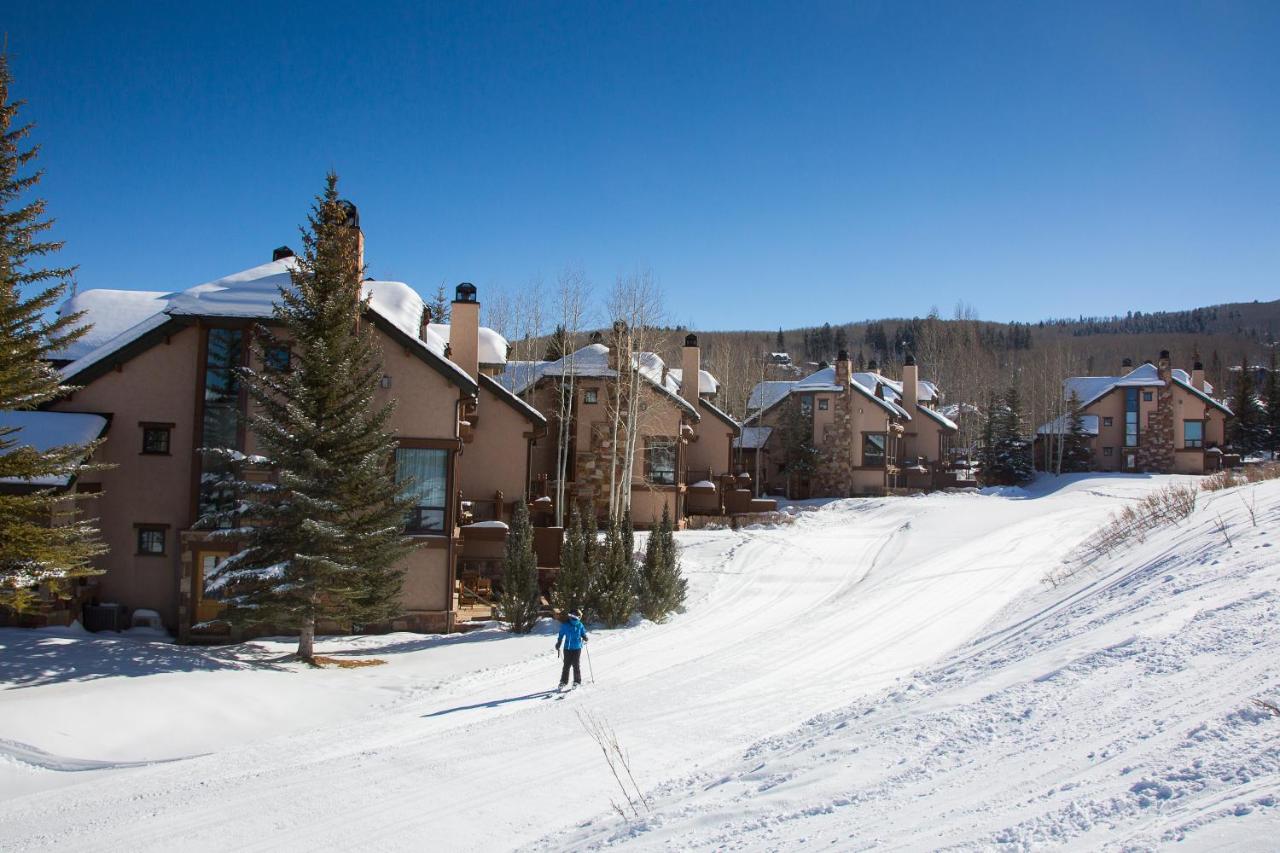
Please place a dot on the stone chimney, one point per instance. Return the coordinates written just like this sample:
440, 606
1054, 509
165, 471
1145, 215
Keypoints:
1156, 448
690, 370
910, 384
464, 330
844, 369
1197, 375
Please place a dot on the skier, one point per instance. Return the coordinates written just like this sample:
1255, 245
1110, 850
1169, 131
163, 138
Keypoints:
573, 634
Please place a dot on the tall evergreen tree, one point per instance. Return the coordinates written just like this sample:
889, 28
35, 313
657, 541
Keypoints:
1271, 396
799, 452
440, 306
615, 583
780, 342
1076, 455
573, 582
1013, 449
33, 551
661, 587
322, 542
1248, 428
987, 438
520, 599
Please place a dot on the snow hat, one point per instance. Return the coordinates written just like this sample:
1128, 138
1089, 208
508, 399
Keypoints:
575, 614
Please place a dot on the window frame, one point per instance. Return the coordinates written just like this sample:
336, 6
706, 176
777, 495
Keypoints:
413, 525
1132, 406
1196, 443
1148, 396
884, 450
824, 404
150, 427
1108, 420
590, 396
1108, 451
143, 529
272, 364
652, 443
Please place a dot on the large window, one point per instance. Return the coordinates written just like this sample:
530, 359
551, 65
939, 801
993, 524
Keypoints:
1131, 417
221, 423
873, 450
1193, 433
660, 461
424, 473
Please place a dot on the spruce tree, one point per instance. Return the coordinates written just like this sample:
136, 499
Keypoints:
661, 588
322, 542
1271, 396
615, 582
1013, 450
440, 306
32, 550
520, 601
572, 589
1248, 428
1076, 455
800, 454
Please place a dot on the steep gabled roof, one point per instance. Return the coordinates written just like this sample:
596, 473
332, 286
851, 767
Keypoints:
1090, 389
593, 361
767, 393
1061, 425
395, 307
753, 437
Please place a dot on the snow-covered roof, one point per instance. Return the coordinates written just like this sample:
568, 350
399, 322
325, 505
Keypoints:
44, 431
1090, 388
1061, 425
707, 384
109, 312
959, 410
593, 361
926, 391
491, 346
252, 295
868, 383
819, 380
766, 393
935, 415
753, 438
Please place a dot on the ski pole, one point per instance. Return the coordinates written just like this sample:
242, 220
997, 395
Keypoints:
590, 671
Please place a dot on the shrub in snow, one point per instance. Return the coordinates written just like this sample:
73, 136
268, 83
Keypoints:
661, 587
572, 589
520, 601
614, 589
32, 551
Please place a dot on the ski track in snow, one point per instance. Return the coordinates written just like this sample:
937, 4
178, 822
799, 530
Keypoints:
882, 672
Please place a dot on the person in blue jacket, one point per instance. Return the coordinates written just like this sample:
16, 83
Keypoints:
572, 634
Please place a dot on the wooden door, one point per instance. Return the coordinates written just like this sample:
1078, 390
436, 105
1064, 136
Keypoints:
208, 605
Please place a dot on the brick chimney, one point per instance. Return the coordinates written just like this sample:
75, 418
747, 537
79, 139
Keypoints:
690, 370
910, 384
464, 330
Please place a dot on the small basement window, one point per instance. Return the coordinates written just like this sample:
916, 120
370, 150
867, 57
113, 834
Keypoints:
156, 438
151, 539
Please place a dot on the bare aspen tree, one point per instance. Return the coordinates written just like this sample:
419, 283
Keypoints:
573, 292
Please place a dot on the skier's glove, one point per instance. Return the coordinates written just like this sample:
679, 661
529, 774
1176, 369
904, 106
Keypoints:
557, 651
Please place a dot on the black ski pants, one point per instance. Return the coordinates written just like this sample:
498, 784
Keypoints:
571, 658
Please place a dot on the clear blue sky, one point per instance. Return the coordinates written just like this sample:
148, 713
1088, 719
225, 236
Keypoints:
774, 165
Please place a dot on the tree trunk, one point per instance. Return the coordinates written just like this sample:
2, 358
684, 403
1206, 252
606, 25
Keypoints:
307, 640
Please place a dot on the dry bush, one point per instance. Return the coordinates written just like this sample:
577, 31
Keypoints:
1128, 525
1231, 477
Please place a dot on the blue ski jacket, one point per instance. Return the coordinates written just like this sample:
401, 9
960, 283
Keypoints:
573, 634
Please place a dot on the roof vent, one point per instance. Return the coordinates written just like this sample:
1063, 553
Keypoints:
281, 253
909, 361
466, 292
691, 340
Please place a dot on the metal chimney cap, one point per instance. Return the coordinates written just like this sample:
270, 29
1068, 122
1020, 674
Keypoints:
281, 253
466, 292
909, 361
691, 340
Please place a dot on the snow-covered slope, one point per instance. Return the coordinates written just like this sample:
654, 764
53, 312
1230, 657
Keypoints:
879, 672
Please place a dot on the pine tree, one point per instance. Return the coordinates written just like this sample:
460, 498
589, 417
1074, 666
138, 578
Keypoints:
572, 589
1076, 455
322, 542
614, 594
33, 551
520, 599
780, 342
661, 588
1248, 428
799, 452
1013, 450
1271, 395
440, 303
